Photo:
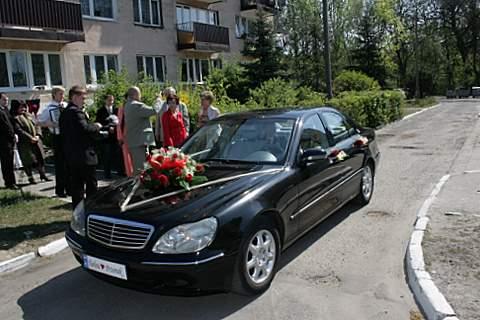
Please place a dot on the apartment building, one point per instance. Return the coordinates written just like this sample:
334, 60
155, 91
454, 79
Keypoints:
44, 43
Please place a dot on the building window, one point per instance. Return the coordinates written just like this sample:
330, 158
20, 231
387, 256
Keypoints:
98, 66
152, 66
4, 81
197, 70
187, 15
148, 12
55, 69
19, 69
241, 26
98, 8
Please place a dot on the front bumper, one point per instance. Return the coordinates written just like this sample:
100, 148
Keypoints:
194, 274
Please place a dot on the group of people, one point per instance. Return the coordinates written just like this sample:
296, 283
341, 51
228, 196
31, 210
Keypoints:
123, 134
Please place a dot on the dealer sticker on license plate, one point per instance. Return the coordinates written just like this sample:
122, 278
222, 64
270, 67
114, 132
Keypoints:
106, 267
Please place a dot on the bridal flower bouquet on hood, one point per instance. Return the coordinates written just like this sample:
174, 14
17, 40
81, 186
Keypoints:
170, 167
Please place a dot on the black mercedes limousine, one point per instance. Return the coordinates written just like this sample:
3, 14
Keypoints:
272, 176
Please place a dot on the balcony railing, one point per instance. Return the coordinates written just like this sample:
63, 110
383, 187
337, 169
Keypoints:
254, 4
41, 20
203, 37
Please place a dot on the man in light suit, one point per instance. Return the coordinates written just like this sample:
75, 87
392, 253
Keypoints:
138, 127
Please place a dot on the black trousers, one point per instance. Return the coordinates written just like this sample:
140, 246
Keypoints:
39, 164
62, 180
82, 180
112, 158
6, 160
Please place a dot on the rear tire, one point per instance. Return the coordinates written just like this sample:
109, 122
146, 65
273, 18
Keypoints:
367, 184
258, 259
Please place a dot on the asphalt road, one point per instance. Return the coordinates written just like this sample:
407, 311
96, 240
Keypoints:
349, 267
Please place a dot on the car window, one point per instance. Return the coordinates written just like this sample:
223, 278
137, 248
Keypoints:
338, 126
254, 140
313, 134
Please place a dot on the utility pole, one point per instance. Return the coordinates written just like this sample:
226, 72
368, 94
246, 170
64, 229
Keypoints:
417, 72
328, 62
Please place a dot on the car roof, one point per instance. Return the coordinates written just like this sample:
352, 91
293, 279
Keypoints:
289, 112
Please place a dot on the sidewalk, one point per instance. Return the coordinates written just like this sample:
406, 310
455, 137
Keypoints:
452, 242
47, 189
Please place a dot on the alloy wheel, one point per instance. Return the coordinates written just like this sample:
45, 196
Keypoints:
367, 183
260, 257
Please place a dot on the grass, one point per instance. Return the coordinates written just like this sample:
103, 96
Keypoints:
26, 216
421, 103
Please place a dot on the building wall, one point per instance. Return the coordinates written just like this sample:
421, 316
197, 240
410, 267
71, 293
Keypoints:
123, 38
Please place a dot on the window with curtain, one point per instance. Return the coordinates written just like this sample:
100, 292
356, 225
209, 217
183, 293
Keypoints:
152, 66
98, 8
148, 12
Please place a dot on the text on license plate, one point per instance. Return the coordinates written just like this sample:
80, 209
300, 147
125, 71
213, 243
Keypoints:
106, 267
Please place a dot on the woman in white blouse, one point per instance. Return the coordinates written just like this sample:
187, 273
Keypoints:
207, 111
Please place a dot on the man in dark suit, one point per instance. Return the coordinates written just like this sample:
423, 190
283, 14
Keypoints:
7, 143
78, 136
107, 117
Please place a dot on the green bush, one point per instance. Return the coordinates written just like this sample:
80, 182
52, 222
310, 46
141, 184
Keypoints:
115, 84
354, 81
371, 108
229, 81
306, 97
274, 93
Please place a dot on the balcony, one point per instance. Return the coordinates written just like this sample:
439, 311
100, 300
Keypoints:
268, 5
202, 37
44, 20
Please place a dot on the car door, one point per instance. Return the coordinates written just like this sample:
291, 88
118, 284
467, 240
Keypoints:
315, 178
350, 154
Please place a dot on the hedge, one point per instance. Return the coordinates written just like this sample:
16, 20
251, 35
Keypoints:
371, 108
368, 108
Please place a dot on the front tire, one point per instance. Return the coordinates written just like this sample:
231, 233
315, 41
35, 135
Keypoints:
258, 259
367, 185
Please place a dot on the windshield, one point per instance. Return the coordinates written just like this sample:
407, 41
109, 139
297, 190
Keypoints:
242, 140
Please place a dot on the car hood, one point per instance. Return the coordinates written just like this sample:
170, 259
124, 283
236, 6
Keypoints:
125, 200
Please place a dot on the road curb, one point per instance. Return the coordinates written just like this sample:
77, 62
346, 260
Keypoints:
17, 263
419, 112
52, 248
24, 260
428, 296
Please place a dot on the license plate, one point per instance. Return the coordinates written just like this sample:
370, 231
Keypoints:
106, 267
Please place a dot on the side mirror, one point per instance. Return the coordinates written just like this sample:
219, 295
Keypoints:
313, 155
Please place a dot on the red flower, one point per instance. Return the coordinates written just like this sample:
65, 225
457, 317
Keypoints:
159, 158
163, 180
177, 171
199, 168
155, 164
189, 178
174, 156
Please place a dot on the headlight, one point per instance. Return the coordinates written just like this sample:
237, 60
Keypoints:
78, 219
187, 238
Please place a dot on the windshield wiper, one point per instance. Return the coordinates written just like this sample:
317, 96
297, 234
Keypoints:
230, 161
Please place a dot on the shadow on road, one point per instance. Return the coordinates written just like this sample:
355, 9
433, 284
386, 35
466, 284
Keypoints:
78, 295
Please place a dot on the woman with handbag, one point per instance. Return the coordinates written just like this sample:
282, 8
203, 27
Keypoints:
30, 146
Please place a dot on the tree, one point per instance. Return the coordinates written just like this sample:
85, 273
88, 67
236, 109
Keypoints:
368, 55
302, 22
261, 46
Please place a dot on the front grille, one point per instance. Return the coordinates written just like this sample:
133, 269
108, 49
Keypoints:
118, 233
